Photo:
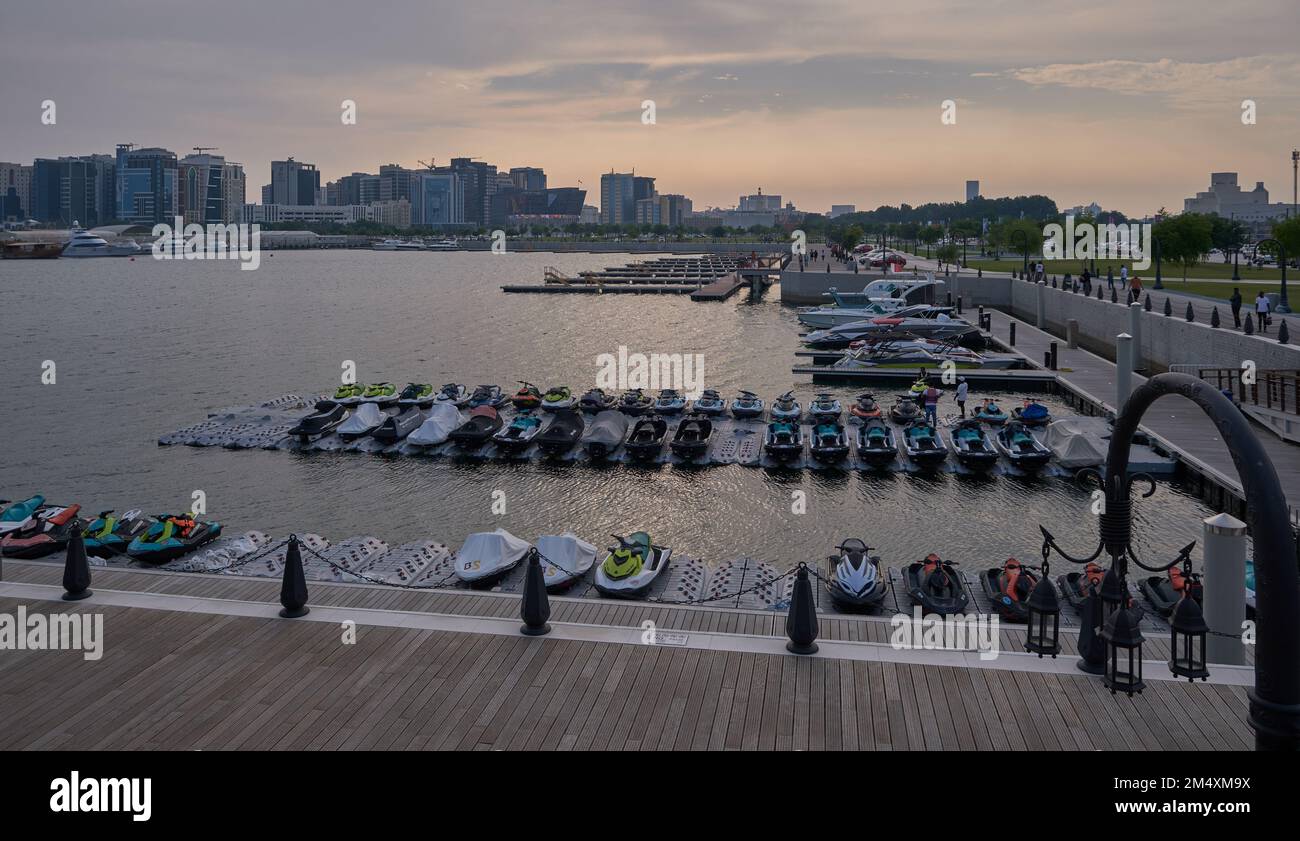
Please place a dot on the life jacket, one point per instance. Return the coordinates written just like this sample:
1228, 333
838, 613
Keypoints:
1092, 574
1011, 571
1177, 579
185, 525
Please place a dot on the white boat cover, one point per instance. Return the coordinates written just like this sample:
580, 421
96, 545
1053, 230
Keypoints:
1075, 442
442, 419
609, 428
567, 551
493, 550
366, 417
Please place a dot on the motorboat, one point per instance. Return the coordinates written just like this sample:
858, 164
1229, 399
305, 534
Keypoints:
558, 397
15, 513
692, 437
647, 437
397, 427
441, 419
170, 537
784, 440
786, 408
922, 443
635, 402
829, 441
1077, 586
670, 402
935, 585
416, 394
565, 559
453, 394
991, 413
824, 407
365, 419
519, 433
1032, 413
85, 244
328, 417
1008, 588
854, 580
382, 394
709, 403
487, 395
973, 445
1164, 591
108, 536
528, 396
876, 443
396, 245
606, 433
349, 394
596, 400
924, 322
487, 556
904, 410
43, 533
482, 423
632, 566
865, 407
1021, 448
564, 430
897, 352
747, 405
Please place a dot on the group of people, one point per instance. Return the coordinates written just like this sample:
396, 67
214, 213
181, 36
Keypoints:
927, 396
1263, 308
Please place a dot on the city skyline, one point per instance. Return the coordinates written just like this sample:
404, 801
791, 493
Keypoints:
743, 97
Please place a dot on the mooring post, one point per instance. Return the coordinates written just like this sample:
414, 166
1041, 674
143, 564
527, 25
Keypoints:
1135, 330
1011, 336
801, 621
293, 584
1123, 369
1052, 355
959, 305
76, 569
1042, 306
1224, 541
535, 608
1072, 333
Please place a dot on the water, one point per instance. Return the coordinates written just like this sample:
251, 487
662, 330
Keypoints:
143, 347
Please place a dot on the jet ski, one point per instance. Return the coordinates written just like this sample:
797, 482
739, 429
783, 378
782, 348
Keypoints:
520, 433
747, 405
558, 397
876, 443
635, 402
13, 516
692, 437
936, 586
366, 419
482, 423
647, 437
786, 407
349, 395
709, 403
670, 402
990, 413
605, 434
596, 400
487, 556
853, 579
829, 442
1032, 413
824, 408
1075, 585
327, 417
527, 397
784, 440
453, 394
865, 407
1164, 591
416, 394
487, 395
561, 433
1021, 448
565, 558
631, 566
1008, 587
904, 410
380, 393
43, 533
170, 537
399, 426
106, 535
440, 421
973, 445
923, 444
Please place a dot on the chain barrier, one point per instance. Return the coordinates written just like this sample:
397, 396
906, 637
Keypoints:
370, 579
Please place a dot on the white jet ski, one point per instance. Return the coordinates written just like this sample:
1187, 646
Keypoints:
631, 566
365, 420
442, 419
565, 558
488, 555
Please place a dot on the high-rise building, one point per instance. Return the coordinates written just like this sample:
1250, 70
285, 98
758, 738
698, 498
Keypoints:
647, 211
437, 198
842, 209
479, 183
972, 190
147, 189
201, 188
759, 203
357, 188
15, 192
618, 198
395, 182
293, 183
590, 215
528, 178
232, 191
70, 190
673, 209
1228, 200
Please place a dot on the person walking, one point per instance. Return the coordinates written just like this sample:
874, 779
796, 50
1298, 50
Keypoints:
1110, 279
963, 389
1261, 309
1123, 276
1136, 286
932, 405
1235, 301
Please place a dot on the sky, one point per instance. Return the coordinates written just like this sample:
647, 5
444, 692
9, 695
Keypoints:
1130, 105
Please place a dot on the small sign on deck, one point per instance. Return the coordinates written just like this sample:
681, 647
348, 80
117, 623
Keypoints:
670, 638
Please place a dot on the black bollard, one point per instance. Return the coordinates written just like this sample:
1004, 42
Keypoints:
1092, 648
1191, 314
293, 586
1114, 299
535, 608
1248, 326
959, 305
1098, 292
1214, 317
801, 621
1169, 308
979, 272
1146, 305
1283, 336
1012, 335
1052, 355
76, 570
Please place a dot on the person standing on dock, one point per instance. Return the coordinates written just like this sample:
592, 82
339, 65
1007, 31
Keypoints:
1261, 309
932, 405
963, 389
1235, 302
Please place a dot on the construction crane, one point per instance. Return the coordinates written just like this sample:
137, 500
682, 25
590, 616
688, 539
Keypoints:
429, 164
203, 150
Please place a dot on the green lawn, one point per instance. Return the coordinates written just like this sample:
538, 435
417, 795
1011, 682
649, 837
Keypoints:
1169, 272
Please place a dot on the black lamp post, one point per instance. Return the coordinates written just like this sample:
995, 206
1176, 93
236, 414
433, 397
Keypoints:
1283, 305
1024, 266
1155, 248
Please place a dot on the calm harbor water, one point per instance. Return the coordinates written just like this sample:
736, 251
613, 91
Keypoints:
142, 347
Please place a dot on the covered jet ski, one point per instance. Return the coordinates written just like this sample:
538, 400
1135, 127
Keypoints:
745, 405
416, 394
632, 566
1076, 585
520, 433
876, 444
1164, 591
635, 402
991, 413
349, 394
865, 407
327, 418
453, 394
1021, 448
487, 556
670, 402
606, 433
692, 437
558, 397
1008, 587
824, 408
830, 442
922, 443
784, 440
1032, 413
647, 437
170, 537
482, 424
527, 397
936, 586
487, 395
107, 536
399, 426
440, 421
43, 533
786, 408
709, 403
384, 394
853, 579
564, 430
14, 515
596, 400
565, 559
365, 419
973, 445
904, 410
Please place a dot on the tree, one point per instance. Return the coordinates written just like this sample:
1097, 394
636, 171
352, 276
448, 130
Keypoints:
1184, 239
851, 237
948, 253
1288, 233
930, 235
1030, 241
1228, 235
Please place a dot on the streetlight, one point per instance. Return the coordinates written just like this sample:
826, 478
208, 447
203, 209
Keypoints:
1155, 247
1024, 267
1283, 306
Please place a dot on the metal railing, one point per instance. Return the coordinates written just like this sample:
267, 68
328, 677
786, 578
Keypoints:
1274, 389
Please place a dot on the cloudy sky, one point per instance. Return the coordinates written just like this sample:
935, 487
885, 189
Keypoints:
1128, 104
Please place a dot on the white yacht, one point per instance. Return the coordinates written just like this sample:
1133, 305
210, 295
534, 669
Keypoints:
86, 244
443, 245
397, 245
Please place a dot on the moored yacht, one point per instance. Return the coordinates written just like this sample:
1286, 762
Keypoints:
86, 244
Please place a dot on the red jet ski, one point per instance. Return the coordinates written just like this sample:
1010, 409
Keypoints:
1008, 587
1075, 585
44, 533
1164, 592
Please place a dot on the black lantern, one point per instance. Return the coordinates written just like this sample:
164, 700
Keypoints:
1112, 594
1043, 617
1187, 632
1124, 652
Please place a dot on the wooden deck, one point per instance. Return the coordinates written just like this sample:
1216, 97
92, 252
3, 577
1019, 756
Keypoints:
178, 676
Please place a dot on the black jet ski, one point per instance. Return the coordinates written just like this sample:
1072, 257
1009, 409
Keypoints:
786, 408
561, 433
416, 394
396, 427
854, 579
904, 410
647, 437
1008, 587
709, 403
829, 442
692, 437
922, 443
1164, 591
936, 586
973, 445
876, 444
453, 393
606, 434
784, 440
107, 536
520, 433
635, 402
670, 402
488, 395
824, 407
483, 423
170, 537
1075, 585
747, 404
327, 418
1021, 448
597, 400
